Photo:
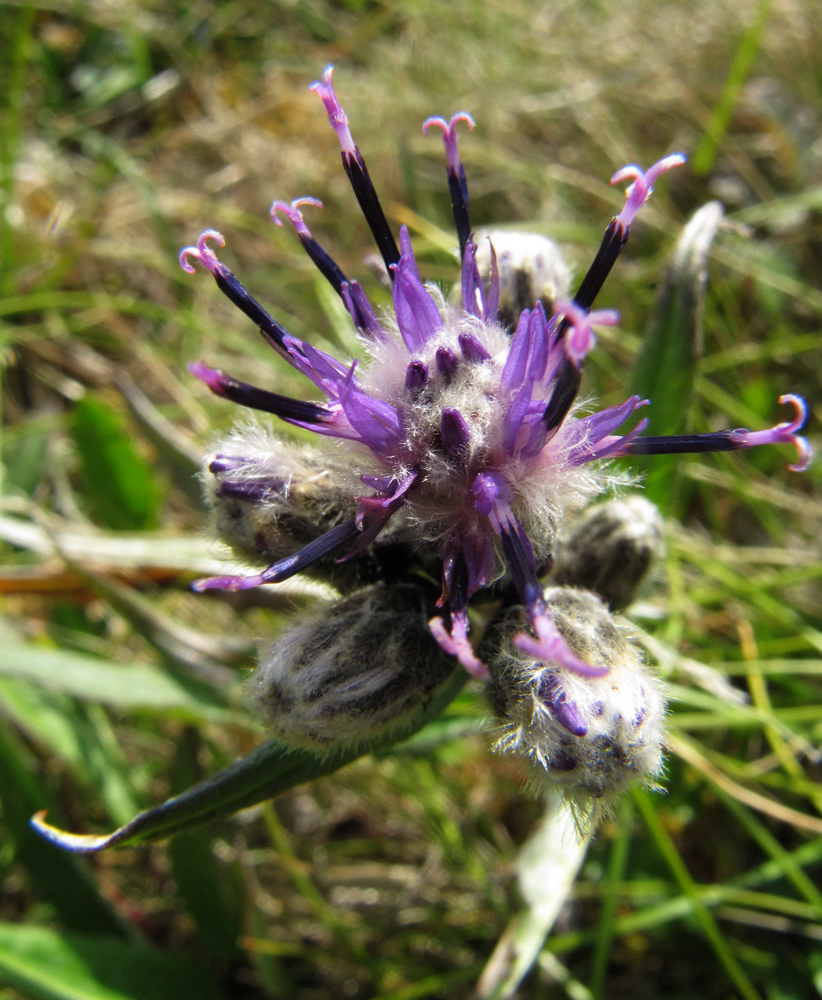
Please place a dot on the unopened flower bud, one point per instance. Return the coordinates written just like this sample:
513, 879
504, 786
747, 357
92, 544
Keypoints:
531, 267
269, 497
610, 549
589, 736
352, 671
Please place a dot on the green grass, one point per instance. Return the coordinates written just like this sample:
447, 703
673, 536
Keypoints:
124, 131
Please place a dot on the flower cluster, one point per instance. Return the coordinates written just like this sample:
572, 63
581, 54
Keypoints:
461, 446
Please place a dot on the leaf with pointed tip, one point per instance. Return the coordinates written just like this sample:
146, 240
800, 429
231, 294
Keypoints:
266, 772
665, 369
63, 882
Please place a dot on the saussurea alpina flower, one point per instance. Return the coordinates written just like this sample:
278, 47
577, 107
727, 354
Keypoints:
459, 444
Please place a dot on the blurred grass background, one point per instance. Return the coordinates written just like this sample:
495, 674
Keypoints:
129, 127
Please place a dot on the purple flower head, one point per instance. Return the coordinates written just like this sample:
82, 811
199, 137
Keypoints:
465, 440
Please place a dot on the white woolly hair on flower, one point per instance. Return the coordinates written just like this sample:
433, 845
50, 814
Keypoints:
268, 495
589, 737
351, 671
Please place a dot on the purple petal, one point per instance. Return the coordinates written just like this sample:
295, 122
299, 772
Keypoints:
471, 282
378, 423
591, 430
361, 311
516, 414
565, 710
336, 116
416, 376
472, 349
417, 315
454, 433
642, 184
516, 364
447, 362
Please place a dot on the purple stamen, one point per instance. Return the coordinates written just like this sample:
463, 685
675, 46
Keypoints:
356, 170
492, 495
457, 183
456, 643
254, 398
287, 567
550, 647
579, 335
449, 134
456, 585
731, 440
785, 433
337, 118
566, 387
202, 252
274, 333
612, 245
642, 184
321, 259
291, 210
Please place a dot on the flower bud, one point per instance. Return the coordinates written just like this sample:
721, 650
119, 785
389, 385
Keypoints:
269, 497
610, 549
531, 267
589, 736
352, 671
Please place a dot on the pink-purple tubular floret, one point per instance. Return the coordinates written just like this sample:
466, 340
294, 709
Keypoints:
537, 385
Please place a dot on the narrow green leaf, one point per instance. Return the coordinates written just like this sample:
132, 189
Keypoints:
46, 965
665, 369
266, 772
121, 485
19, 48
746, 51
103, 683
606, 929
714, 936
